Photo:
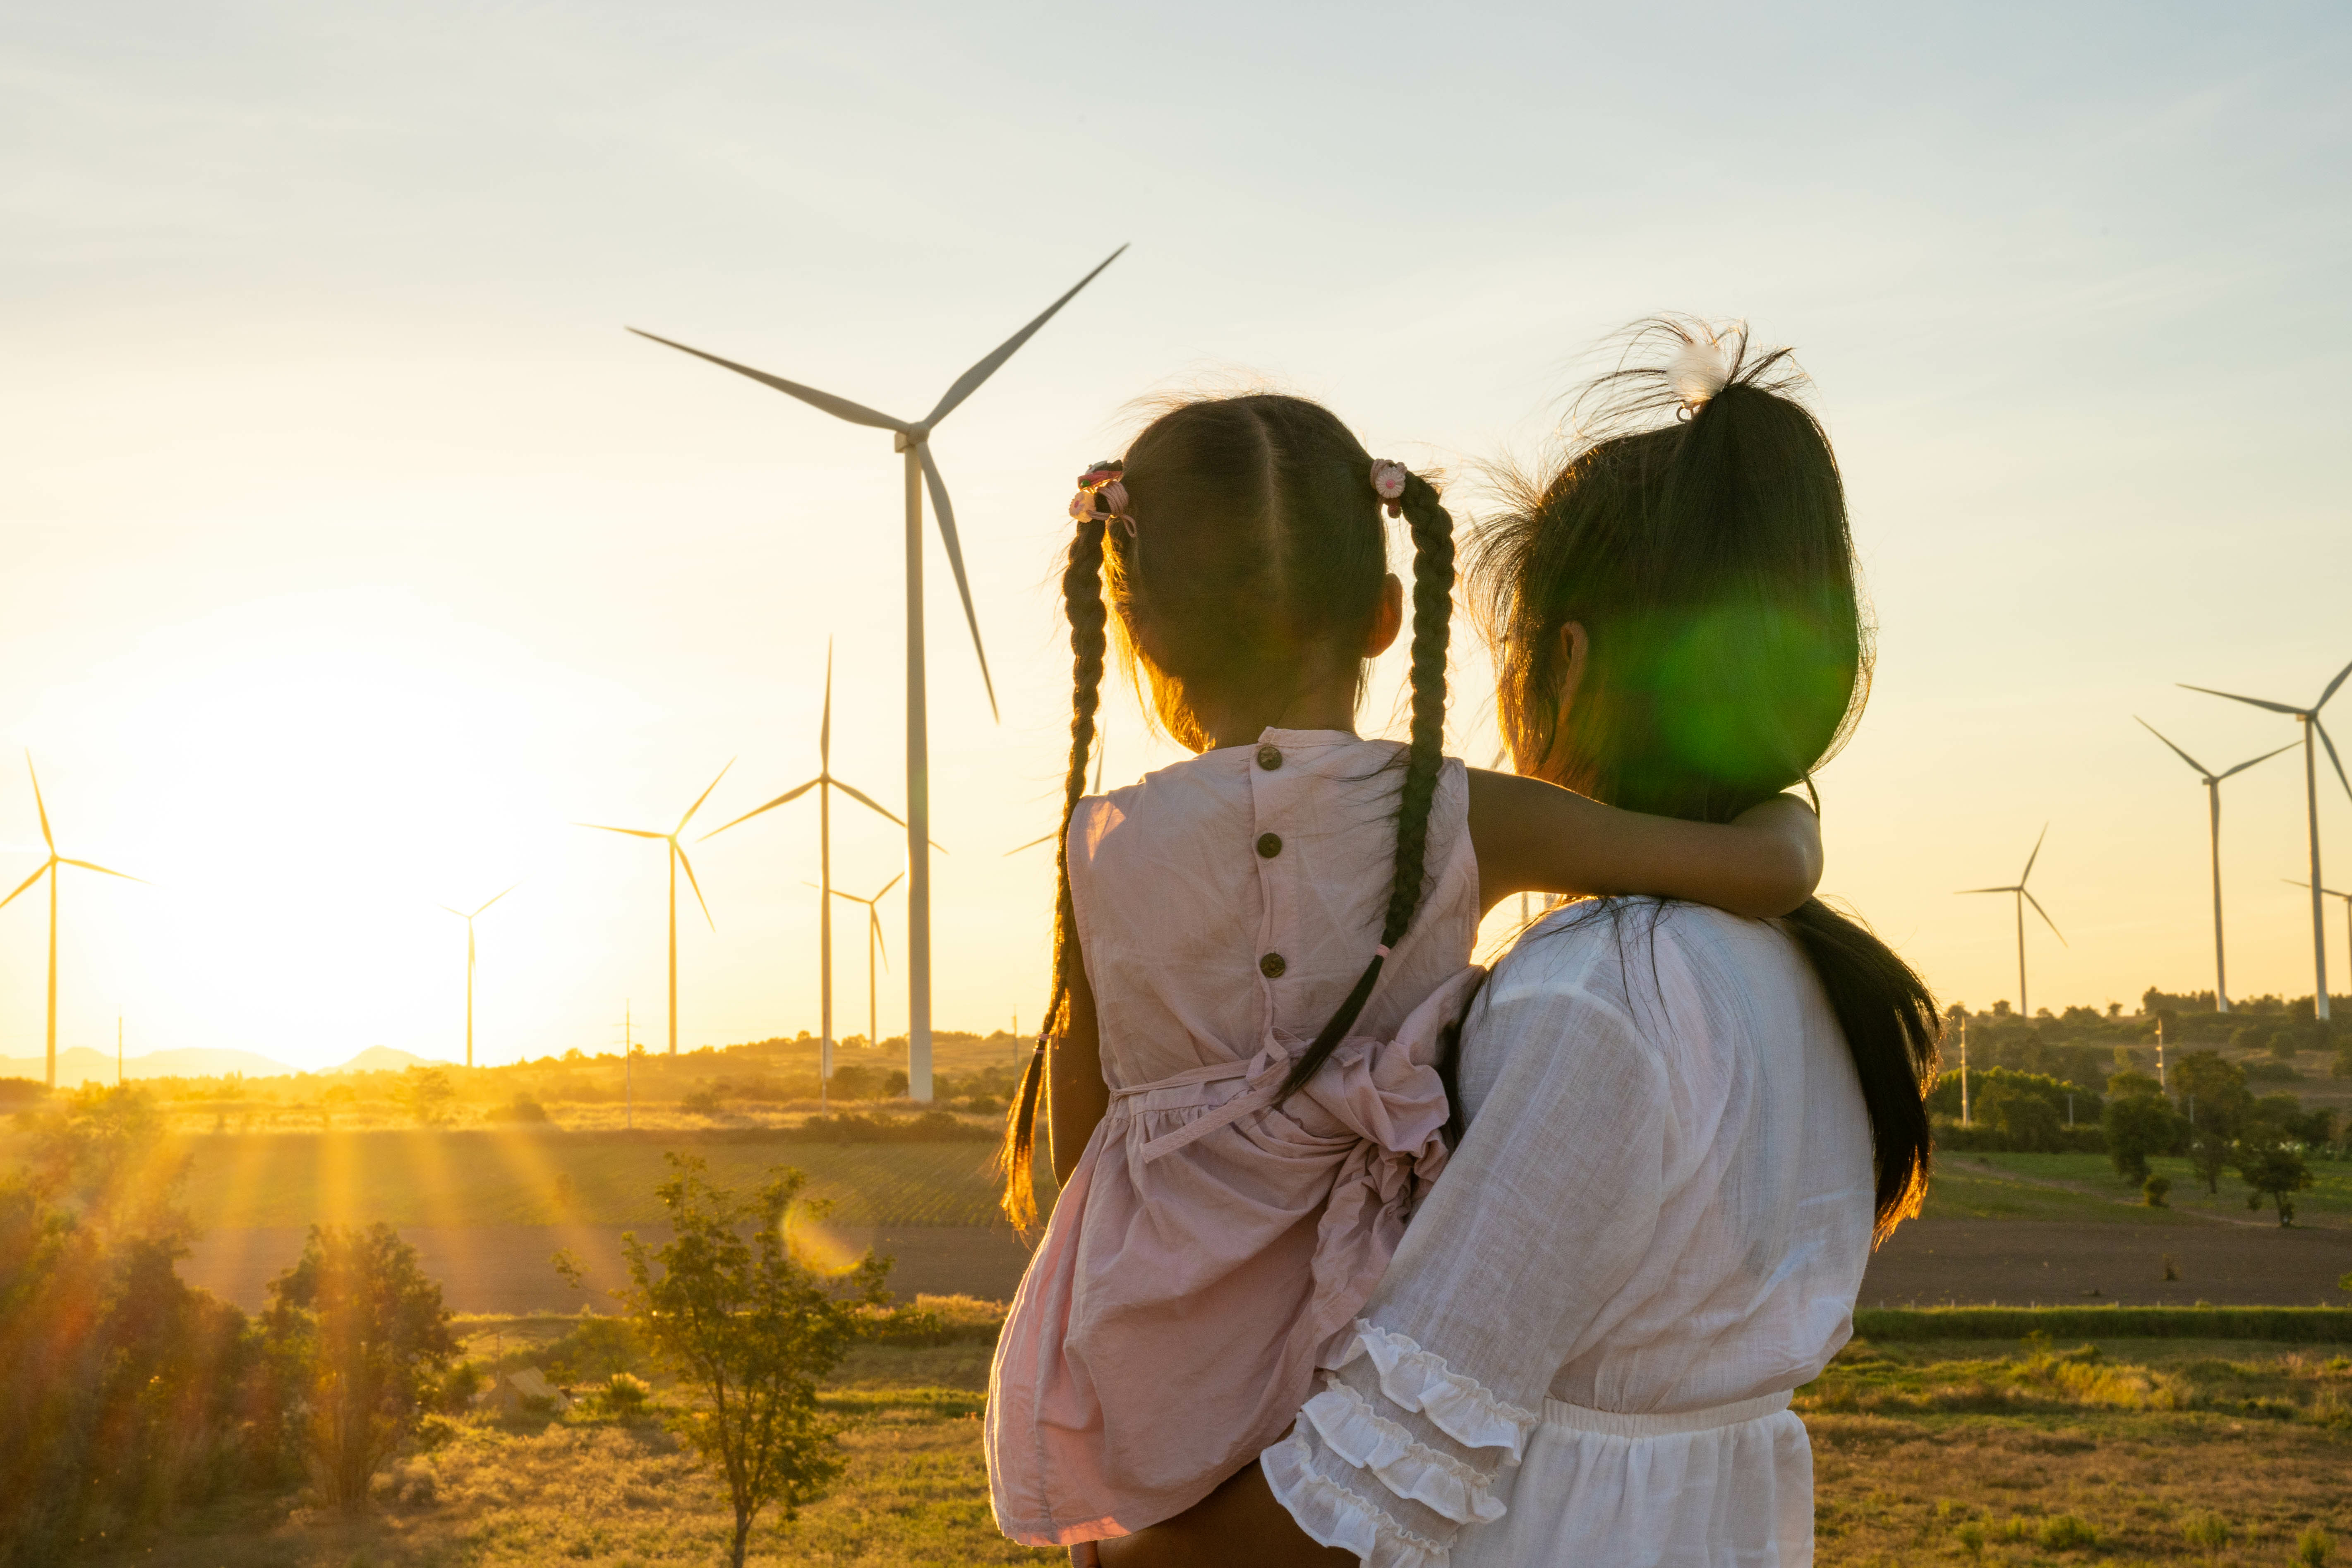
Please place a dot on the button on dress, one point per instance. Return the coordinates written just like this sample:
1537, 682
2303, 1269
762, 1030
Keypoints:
1212, 1248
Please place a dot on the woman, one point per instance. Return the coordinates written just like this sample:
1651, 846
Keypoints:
1684, 1130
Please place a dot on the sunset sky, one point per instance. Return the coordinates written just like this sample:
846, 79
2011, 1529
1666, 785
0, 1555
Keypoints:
350, 551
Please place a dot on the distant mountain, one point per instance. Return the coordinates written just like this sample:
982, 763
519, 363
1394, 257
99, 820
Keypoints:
80, 1064
384, 1058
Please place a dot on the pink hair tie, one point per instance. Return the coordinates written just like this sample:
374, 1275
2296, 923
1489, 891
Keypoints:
1388, 483
1101, 497
1381, 951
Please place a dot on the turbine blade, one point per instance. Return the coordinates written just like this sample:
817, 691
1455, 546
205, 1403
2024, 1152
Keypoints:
2325, 741
885, 888
859, 796
40, 805
786, 798
89, 866
27, 882
678, 849
880, 945
839, 407
2046, 920
2266, 757
460, 914
632, 832
698, 800
969, 381
2291, 883
955, 563
2274, 706
1959, 892
2203, 772
824, 726
2026, 874
1049, 837
2331, 688
492, 901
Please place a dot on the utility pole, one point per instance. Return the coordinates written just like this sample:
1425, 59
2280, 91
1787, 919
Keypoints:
1964, 1069
2159, 1051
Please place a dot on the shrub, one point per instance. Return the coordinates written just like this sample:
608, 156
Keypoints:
2209, 1531
863, 1080
2313, 1548
702, 1100
2153, 1190
361, 1335
522, 1107
2067, 1533
625, 1397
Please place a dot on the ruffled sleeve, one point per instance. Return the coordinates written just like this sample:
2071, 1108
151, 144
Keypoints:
1507, 1271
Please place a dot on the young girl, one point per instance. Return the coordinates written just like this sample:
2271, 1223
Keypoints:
1256, 952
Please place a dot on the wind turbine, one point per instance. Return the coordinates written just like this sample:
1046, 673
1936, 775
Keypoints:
2023, 898
873, 945
469, 969
912, 437
1048, 839
676, 857
2332, 894
824, 784
2213, 801
2309, 719
50, 869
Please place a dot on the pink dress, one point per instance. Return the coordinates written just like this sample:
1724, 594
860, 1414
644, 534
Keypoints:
1211, 1249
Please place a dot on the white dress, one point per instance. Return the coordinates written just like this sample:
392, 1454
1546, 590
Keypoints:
1652, 1231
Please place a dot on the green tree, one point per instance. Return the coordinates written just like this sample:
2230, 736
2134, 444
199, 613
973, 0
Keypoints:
2138, 1125
2272, 1170
425, 1093
2025, 1119
362, 1341
2211, 1092
750, 1327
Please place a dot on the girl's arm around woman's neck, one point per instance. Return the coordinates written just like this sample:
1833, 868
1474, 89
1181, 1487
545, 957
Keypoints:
1535, 837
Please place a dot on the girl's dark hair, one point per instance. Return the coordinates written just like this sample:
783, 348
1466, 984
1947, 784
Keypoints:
1250, 556
1697, 529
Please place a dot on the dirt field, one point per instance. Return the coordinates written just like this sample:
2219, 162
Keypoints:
2025, 1263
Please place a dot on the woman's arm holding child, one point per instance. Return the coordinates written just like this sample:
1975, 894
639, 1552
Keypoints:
1537, 837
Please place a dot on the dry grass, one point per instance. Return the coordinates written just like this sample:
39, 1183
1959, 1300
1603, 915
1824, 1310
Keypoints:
2126, 1453
2123, 1453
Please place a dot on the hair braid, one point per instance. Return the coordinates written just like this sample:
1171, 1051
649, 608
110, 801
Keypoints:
1082, 602
1433, 612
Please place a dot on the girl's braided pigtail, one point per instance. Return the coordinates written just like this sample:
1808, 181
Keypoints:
1433, 612
1082, 600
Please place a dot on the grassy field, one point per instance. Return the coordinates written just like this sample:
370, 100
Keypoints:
2085, 1187
2124, 1452
468, 1178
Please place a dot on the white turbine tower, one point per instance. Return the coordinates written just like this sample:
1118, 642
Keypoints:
913, 437
470, 920
2309, 719
2023, 898
2213, 801
2332, 893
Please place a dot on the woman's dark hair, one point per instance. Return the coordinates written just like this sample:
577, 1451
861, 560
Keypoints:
1250, 556
1696, 531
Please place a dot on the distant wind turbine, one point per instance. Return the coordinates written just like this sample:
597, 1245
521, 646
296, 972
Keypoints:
676, 857
2332, 894
2213, 801
824, 784
872, 946
2309, 719
913, 438
1049, 837
50, 869
2023, 898
469, 968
